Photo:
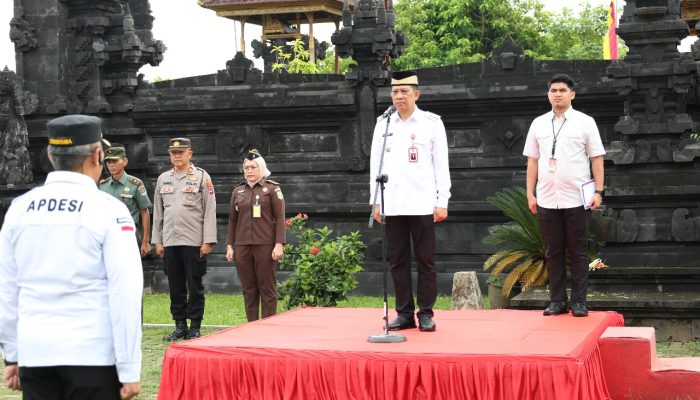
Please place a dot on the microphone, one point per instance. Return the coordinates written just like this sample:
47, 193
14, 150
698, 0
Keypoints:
389, 111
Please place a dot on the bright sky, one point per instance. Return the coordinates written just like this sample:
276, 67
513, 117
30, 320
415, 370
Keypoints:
199, 43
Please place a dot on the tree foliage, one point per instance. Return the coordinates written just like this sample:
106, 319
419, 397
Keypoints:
446, 32
297, 61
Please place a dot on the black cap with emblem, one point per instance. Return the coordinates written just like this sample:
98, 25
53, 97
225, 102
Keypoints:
253, 154
404, 78
75, 130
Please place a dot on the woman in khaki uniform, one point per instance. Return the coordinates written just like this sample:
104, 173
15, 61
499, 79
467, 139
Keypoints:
256, 236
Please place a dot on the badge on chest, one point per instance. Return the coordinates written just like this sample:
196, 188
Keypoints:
256, 207
413, 150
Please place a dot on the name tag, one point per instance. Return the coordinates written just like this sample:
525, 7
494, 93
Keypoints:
256, 211
127, 195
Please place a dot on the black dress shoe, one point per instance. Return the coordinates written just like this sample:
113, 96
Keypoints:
194, 333
425, 323
579, 310
402, 322
556, 308
180, 332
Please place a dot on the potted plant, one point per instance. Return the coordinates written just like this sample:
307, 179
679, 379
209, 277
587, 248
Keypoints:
495, 291
522, 249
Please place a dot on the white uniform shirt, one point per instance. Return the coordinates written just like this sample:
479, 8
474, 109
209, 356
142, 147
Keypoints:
577, 141
70, 279
414, 187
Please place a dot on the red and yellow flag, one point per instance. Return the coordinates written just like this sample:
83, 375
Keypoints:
610, 40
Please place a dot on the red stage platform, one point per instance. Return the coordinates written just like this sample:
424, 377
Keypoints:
323, 353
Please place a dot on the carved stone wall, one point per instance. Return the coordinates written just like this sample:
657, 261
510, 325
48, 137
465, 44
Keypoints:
314, 130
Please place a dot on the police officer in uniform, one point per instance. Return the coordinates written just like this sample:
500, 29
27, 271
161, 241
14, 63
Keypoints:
71, 279
131, 191
256, 235
416, 196
184, 231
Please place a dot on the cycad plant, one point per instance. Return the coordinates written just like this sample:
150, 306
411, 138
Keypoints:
522, 248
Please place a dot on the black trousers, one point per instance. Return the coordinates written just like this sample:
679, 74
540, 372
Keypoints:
185, 269
70, 383
565, 229
399, 232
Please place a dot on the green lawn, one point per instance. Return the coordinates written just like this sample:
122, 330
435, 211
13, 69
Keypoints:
228, 310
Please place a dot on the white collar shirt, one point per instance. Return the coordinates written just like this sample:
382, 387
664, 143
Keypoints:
415, 161
71, 279
577, 141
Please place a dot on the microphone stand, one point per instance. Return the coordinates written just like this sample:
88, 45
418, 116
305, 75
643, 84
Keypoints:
381, 179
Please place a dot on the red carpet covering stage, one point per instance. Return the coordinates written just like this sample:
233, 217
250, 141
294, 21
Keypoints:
323, 353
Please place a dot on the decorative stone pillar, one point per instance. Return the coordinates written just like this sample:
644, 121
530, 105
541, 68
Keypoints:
370, 37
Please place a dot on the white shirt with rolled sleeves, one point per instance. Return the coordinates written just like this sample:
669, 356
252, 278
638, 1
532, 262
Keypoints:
577, 142
413, 188
70, 279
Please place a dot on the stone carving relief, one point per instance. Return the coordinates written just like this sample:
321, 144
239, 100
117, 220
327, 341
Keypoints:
685, 228
508, 54
23, 35
658, 82
238, 70
15, 164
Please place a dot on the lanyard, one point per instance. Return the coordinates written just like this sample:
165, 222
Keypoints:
556, 135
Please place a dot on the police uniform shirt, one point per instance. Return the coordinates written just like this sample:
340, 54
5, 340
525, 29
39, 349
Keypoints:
243, 228
577, 141
184, 210
67, 253
131, 191
416, 162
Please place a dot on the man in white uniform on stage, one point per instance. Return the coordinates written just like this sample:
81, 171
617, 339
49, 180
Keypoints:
71, 279
416, 196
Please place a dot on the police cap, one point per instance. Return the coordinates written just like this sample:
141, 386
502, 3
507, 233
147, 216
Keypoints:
74, 130
179, 144
404, 78
116, 152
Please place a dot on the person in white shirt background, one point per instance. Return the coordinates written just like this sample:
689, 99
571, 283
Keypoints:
563, 146
416, 197
71, 279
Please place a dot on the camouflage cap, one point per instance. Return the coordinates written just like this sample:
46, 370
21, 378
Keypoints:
116, 152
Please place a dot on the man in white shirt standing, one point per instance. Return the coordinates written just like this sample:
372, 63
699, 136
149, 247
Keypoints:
71, 279
562, 148
416, 197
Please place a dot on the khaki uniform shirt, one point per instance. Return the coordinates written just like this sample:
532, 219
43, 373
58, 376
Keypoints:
184, 211
131, 191
244, 228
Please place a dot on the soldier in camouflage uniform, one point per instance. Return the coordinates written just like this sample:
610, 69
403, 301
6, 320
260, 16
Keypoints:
131, 191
